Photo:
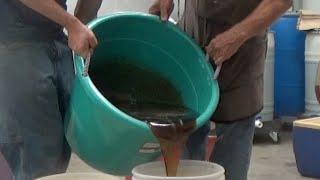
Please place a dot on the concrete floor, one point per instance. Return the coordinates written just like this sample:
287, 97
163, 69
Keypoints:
269, 161
274, 161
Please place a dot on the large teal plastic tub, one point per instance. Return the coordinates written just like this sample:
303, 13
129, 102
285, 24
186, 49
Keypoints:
105, 137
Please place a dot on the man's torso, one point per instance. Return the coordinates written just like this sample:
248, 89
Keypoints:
241, 77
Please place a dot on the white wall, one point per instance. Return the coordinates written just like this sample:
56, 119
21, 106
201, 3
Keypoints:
313, 5
109, 6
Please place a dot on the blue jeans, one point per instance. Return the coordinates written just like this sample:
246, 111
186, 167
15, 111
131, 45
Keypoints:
232, 150
35, 84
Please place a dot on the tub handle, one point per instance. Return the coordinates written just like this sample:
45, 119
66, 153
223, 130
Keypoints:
218, 69
217, 72
86, 65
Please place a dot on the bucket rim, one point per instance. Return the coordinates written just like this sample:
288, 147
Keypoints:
195, 162
78, 174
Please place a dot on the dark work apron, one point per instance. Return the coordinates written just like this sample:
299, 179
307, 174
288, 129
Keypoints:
241, 77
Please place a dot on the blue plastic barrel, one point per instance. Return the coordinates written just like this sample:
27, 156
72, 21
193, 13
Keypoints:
289, 67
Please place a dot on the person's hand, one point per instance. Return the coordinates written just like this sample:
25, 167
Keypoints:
81, 39
162, 8
224, 46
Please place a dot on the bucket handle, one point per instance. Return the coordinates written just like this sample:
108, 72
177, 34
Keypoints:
86, 66
218, 69
217, 72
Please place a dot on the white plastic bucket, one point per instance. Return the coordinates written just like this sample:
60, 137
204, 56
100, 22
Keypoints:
268, 93
80, 176
188, 170
312, 60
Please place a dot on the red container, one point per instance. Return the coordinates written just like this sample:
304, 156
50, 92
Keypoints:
5, 172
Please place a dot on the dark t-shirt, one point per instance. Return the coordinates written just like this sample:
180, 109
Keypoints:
14, 13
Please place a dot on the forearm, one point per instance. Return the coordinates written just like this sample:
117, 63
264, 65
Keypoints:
261, 18
52, 10
87, 10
